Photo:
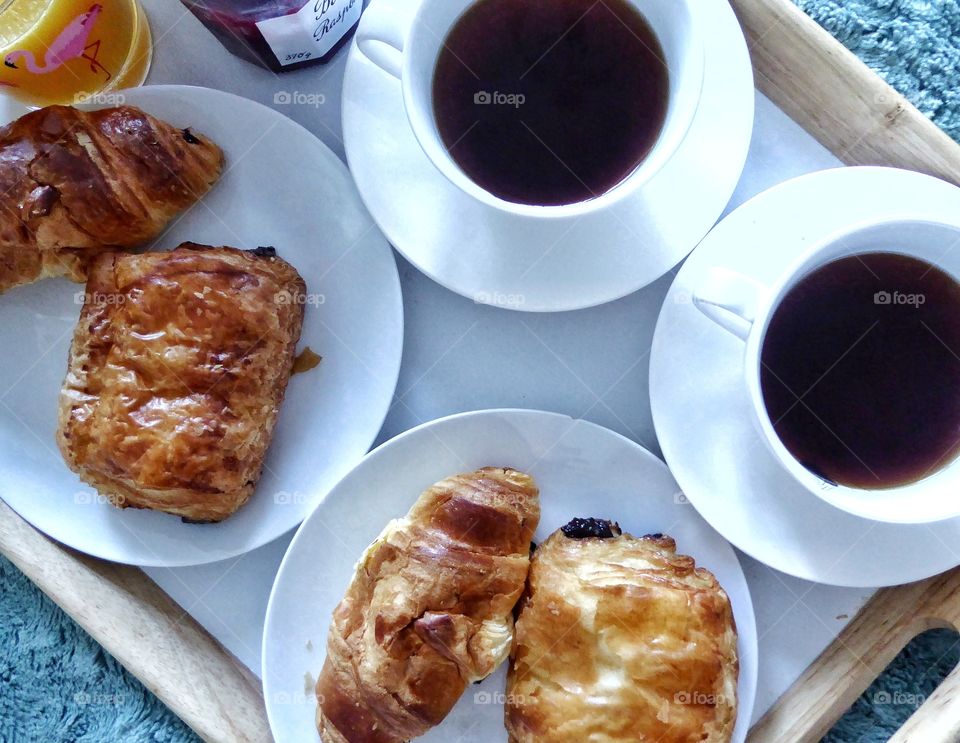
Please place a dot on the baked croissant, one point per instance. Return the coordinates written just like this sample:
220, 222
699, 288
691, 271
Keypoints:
177, 370
76, 183
429, 608
620, 639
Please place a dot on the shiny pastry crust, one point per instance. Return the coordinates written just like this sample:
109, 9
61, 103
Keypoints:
178, 367
429, 608
76, 183
621, 639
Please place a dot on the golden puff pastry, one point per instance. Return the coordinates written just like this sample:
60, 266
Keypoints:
620, 639
178, 367
77, 183
429, 608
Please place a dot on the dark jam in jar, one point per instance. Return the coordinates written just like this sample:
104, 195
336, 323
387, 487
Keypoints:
280, 34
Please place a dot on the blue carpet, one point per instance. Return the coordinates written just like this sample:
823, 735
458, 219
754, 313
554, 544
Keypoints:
913, 44
56, 684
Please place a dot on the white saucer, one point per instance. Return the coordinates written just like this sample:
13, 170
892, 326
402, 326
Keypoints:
281, 186
581, 468
565, 264
702, 413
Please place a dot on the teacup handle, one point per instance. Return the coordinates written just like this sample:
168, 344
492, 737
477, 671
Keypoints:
731, 300
381, 36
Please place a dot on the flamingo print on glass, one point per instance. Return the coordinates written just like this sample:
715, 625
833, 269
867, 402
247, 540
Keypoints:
65, 51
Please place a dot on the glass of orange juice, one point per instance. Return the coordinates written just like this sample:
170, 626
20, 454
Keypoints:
67, 51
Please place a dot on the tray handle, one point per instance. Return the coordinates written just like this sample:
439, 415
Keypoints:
938, 719
861, 652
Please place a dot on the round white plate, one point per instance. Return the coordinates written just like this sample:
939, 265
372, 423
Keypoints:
582, 470
699, 397
562, 264
281, 186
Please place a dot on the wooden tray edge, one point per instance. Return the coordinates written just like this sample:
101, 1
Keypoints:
832, 94
801, 68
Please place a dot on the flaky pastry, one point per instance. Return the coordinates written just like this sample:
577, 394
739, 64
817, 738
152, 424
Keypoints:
429, 608
177, 370
620, 639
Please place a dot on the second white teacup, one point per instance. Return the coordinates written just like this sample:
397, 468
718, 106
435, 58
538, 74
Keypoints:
746, 308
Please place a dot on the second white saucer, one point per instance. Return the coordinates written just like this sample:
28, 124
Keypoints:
533, 264
701, 408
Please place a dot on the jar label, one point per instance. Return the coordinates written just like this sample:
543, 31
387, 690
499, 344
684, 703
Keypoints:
312, 31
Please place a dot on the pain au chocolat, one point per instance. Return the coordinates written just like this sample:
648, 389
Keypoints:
620, 639
179, 364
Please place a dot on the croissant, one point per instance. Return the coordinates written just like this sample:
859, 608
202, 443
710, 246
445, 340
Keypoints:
178, 367
429, 608
76, 183
618, 640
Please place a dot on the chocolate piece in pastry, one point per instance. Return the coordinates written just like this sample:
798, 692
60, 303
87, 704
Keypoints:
620, 639
76, 183
429, 609
178, 367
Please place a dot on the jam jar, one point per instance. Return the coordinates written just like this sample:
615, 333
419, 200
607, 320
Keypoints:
280, 34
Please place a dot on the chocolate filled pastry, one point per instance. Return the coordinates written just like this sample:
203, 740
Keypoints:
620, 639
77, 183
177, 370
429, 609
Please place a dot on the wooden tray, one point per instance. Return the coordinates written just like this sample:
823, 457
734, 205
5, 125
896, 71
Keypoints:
849, 109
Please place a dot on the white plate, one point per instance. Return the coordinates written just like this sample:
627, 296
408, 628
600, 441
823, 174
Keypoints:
702, 413
564, 264
582, 470
282, 187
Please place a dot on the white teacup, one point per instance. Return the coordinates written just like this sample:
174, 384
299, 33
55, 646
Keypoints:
409, 51
745, 307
